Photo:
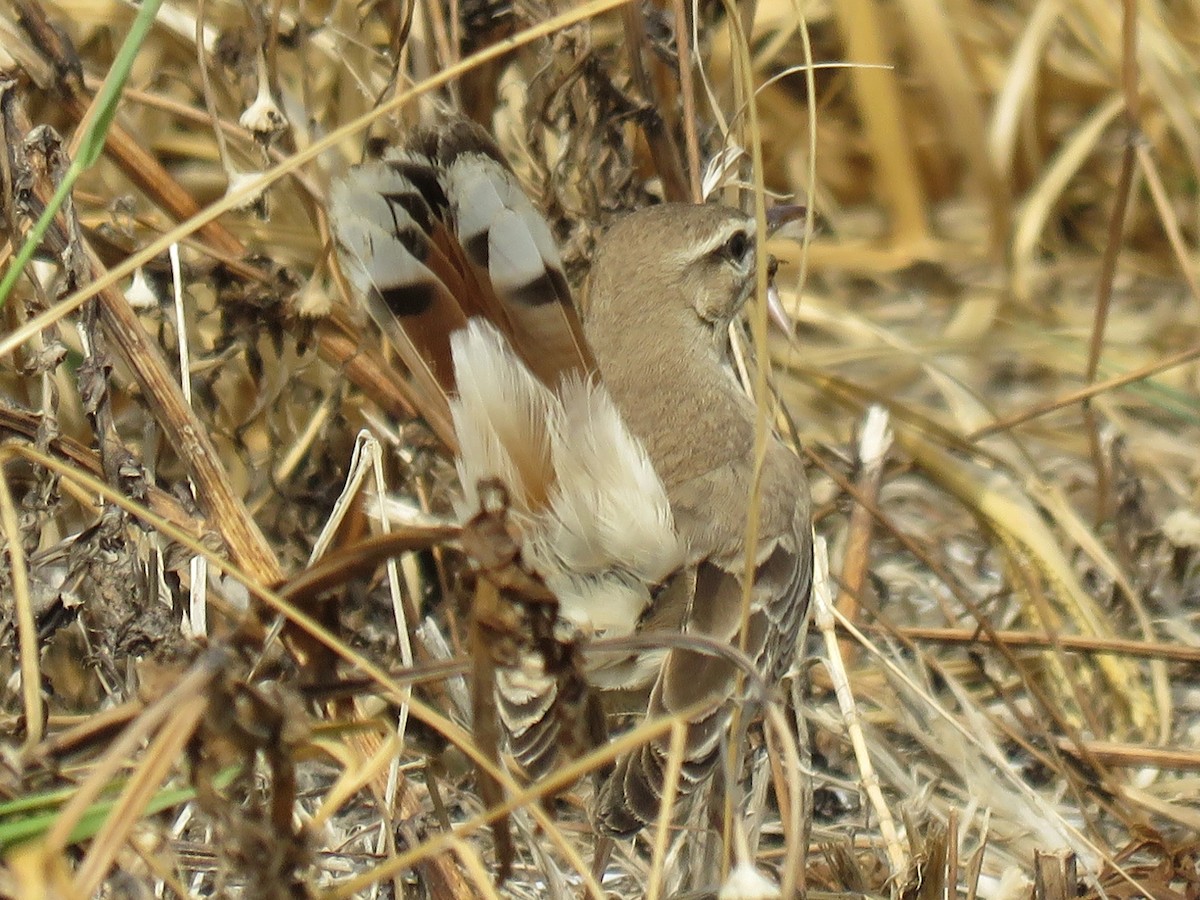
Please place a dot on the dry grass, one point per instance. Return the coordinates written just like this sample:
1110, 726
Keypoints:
1004, 259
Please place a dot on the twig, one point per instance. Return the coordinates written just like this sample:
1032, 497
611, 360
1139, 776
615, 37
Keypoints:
1108, 263
823, 617
873, 446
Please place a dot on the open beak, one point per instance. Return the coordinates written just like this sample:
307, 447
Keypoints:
777, 217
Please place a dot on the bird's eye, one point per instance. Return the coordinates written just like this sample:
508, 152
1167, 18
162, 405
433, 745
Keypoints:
737, 247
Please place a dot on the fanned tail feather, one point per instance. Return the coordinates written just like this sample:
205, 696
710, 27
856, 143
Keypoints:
440, 231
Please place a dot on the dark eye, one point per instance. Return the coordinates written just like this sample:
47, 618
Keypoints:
737, 247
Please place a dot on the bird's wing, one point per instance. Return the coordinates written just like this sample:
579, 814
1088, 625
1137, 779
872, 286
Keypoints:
690, 678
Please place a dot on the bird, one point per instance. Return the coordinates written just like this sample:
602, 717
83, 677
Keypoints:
617, 425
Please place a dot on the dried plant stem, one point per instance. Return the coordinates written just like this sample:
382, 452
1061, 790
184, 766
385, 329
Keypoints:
897, 179
794, 791
1108, 262
160, 758
658, 136
518, 798
230, 201
662, 827
687, 90
135, 160
872, 452
193, 685
1173, 652
823, 616
1181, 358
222, 505
27, 635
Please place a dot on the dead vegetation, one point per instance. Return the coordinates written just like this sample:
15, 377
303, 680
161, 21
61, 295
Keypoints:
218, 683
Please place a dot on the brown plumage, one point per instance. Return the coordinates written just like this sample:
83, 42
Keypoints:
632, 489
661, 341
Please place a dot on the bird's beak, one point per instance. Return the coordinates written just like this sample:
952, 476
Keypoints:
777, 218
